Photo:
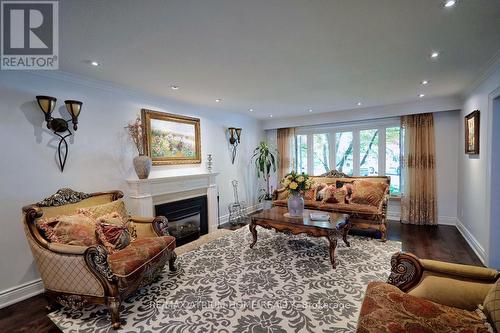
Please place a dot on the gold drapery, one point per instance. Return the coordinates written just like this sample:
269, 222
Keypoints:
285, 143
418, 201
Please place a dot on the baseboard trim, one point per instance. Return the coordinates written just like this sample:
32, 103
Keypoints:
442, 220
472, 241
20, 293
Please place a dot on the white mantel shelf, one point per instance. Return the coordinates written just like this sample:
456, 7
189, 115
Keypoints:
144, 194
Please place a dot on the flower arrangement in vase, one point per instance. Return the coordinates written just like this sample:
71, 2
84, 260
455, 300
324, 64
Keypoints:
142, 163
296, 184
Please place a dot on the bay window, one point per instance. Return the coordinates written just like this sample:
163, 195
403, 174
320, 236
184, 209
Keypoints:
362, 149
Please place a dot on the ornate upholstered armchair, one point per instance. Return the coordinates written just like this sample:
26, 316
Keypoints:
432, 296
76, 276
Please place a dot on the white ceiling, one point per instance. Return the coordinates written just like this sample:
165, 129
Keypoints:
281, 57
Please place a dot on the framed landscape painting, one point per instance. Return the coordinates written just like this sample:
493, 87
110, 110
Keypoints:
170, 138
472, 133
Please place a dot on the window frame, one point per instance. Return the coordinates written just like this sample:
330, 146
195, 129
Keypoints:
355, 128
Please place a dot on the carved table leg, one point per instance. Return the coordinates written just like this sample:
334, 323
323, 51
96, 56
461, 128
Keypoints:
253, 229
345, 232
171, 262
332, 239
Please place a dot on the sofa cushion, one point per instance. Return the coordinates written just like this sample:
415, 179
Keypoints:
310, 194
388, 309
112, 232
138, 253
76, 229
335, 195
99, 210
320, 191
368, 193
491, 305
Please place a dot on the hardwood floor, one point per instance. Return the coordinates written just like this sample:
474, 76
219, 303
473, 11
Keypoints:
431, 242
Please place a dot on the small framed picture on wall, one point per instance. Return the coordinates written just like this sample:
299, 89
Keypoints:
472, 133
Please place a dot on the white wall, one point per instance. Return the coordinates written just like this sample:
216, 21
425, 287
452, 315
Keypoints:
447, 125
473, 179
100, 155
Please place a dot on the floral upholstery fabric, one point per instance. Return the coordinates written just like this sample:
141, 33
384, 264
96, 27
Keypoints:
335, 195
491, 305
388, 309
77, 229
112, 232
111, 207
310, 194
139, 252
282, 194
368, 193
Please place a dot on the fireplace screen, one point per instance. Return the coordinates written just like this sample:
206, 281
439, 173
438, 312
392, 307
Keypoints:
187, 219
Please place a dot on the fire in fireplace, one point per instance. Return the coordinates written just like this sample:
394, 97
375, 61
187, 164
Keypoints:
187, 219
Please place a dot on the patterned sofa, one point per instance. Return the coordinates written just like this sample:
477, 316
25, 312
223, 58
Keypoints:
362, 216
428, 296
76, 275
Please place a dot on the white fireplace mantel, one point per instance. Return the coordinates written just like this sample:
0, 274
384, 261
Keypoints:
144, 194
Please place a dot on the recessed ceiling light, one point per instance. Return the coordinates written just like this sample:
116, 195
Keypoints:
421, 95
450, 3
174, 87
434, 54
310, 110
94, 63
424, 82
270, 116
359, 104
218, 100
251, 110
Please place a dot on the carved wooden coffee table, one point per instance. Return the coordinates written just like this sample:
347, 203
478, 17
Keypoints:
337, 227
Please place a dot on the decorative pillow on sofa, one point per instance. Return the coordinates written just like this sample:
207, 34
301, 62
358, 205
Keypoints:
282, 195
116, 206
112, 231
310, 194
77, 229
335, 195
320, 191
491, 305
368, 193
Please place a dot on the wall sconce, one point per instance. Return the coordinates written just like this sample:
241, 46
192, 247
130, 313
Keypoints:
59, 125
234, 141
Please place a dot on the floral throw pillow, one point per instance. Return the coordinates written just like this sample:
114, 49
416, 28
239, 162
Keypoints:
335, 195
77, 229
368, 193
112, 231
320, 191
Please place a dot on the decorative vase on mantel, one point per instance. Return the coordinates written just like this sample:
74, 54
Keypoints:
142, 166
295, 204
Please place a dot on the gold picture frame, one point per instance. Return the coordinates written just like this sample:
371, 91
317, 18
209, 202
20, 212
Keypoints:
472, 133
170, 138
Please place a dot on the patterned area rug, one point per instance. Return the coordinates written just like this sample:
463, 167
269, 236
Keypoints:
284, 284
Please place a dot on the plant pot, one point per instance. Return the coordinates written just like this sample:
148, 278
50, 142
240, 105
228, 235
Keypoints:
142, 166
295, 205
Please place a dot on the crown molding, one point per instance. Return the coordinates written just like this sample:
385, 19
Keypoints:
488, 69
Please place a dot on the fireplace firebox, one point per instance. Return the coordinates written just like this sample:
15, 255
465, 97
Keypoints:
187, 219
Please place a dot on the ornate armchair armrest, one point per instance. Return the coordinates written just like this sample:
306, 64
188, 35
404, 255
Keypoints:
150, 226
276, 192
96, 258
460, 286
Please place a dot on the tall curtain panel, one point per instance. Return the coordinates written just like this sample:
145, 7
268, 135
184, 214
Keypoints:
286, 139
418, 201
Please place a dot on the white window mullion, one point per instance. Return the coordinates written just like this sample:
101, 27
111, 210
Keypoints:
310, 152
381, 151
356, 152
331, 150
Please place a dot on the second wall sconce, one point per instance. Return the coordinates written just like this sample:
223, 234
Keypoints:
234, 141
60, 125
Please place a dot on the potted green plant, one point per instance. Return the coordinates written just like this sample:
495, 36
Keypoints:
266, 160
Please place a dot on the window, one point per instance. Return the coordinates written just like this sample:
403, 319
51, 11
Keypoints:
361, 149
321, 157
